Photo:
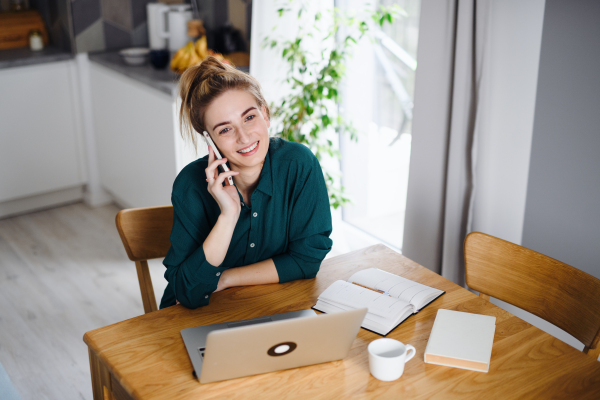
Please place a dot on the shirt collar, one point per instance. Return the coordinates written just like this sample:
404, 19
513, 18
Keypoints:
265, 184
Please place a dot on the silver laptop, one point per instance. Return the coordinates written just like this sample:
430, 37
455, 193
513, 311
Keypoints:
254, 346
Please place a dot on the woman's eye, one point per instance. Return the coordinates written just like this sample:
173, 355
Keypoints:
225, 130
249, 117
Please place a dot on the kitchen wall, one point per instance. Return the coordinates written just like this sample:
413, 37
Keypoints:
240, 16
508, 101
562, 214
109, 24
56, 13
539, 184
56, 16
115, 24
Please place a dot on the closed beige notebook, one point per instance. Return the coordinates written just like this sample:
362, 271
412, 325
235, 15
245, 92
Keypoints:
461, 340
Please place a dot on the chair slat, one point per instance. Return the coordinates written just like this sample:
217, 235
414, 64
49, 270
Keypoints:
145, 233
557, 292
146, 288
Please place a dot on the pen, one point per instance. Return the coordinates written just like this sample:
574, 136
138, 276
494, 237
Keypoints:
366, 287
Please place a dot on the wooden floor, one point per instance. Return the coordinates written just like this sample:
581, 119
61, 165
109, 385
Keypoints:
63, 272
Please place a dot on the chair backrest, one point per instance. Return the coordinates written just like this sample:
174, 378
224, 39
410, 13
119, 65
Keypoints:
145, 233
559, 293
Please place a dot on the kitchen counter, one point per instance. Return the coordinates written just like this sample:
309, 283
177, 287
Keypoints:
10, 58
164, 80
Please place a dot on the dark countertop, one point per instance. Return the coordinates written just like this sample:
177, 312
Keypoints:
164, 80
10, 58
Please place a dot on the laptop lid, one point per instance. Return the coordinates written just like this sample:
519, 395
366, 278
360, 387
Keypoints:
290, 343
195, 338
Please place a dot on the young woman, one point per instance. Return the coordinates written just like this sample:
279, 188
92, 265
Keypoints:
272, 226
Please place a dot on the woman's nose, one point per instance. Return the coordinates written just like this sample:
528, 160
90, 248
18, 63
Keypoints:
242, 135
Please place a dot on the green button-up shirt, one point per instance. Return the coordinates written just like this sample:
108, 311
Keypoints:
289, 221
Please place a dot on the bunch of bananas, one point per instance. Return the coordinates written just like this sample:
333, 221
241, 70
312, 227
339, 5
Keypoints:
192, 54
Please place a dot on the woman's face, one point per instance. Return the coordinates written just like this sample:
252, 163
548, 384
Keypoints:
239, 128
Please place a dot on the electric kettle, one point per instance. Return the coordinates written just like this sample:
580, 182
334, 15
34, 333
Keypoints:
167, 25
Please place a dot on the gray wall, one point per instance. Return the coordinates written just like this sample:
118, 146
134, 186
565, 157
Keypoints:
562, 212
57, 19
109, 24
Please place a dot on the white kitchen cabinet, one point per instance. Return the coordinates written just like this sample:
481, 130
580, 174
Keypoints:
41, 152
138, 144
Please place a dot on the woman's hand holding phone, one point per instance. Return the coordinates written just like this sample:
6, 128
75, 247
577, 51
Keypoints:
217, 242
226, 196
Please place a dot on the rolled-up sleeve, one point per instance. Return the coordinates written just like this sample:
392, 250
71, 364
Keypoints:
191, 276
309, 229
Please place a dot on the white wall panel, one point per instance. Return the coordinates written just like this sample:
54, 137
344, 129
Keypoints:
135, 141
39, 139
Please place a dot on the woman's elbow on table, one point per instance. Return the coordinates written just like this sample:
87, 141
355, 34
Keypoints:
195, 297
194, 300
292, 266
311, 269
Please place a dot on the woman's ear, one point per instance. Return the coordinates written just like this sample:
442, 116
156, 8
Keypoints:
266, 116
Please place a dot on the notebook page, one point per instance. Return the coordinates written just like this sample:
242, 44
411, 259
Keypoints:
424, 296
354, 296
397, 286
372, 322
381, 280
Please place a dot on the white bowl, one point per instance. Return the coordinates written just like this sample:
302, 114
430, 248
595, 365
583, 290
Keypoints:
135, 55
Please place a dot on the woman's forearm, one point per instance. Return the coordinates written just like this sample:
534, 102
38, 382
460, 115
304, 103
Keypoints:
260, 273
217, 242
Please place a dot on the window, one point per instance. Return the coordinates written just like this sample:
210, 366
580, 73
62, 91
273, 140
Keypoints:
378, 97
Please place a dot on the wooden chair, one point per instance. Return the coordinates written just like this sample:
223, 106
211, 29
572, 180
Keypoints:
552, 290
145, 234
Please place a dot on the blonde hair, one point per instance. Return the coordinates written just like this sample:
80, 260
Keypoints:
201, 84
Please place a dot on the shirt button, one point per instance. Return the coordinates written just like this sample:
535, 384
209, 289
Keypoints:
255, 214
218, 273
251, 244
206, 297
243, 204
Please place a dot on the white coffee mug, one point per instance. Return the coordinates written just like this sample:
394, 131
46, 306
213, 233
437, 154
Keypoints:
387, 358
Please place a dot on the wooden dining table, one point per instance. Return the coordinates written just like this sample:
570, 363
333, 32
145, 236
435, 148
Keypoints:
145, 357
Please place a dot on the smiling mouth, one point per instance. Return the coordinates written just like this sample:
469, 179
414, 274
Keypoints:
248, 149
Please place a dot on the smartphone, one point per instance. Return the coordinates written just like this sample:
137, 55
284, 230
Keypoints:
218, 155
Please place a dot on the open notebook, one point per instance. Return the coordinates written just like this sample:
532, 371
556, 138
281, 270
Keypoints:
390, 298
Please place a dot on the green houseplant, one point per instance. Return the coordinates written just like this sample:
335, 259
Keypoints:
316, 59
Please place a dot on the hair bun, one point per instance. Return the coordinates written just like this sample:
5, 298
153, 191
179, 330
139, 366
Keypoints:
201, 84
